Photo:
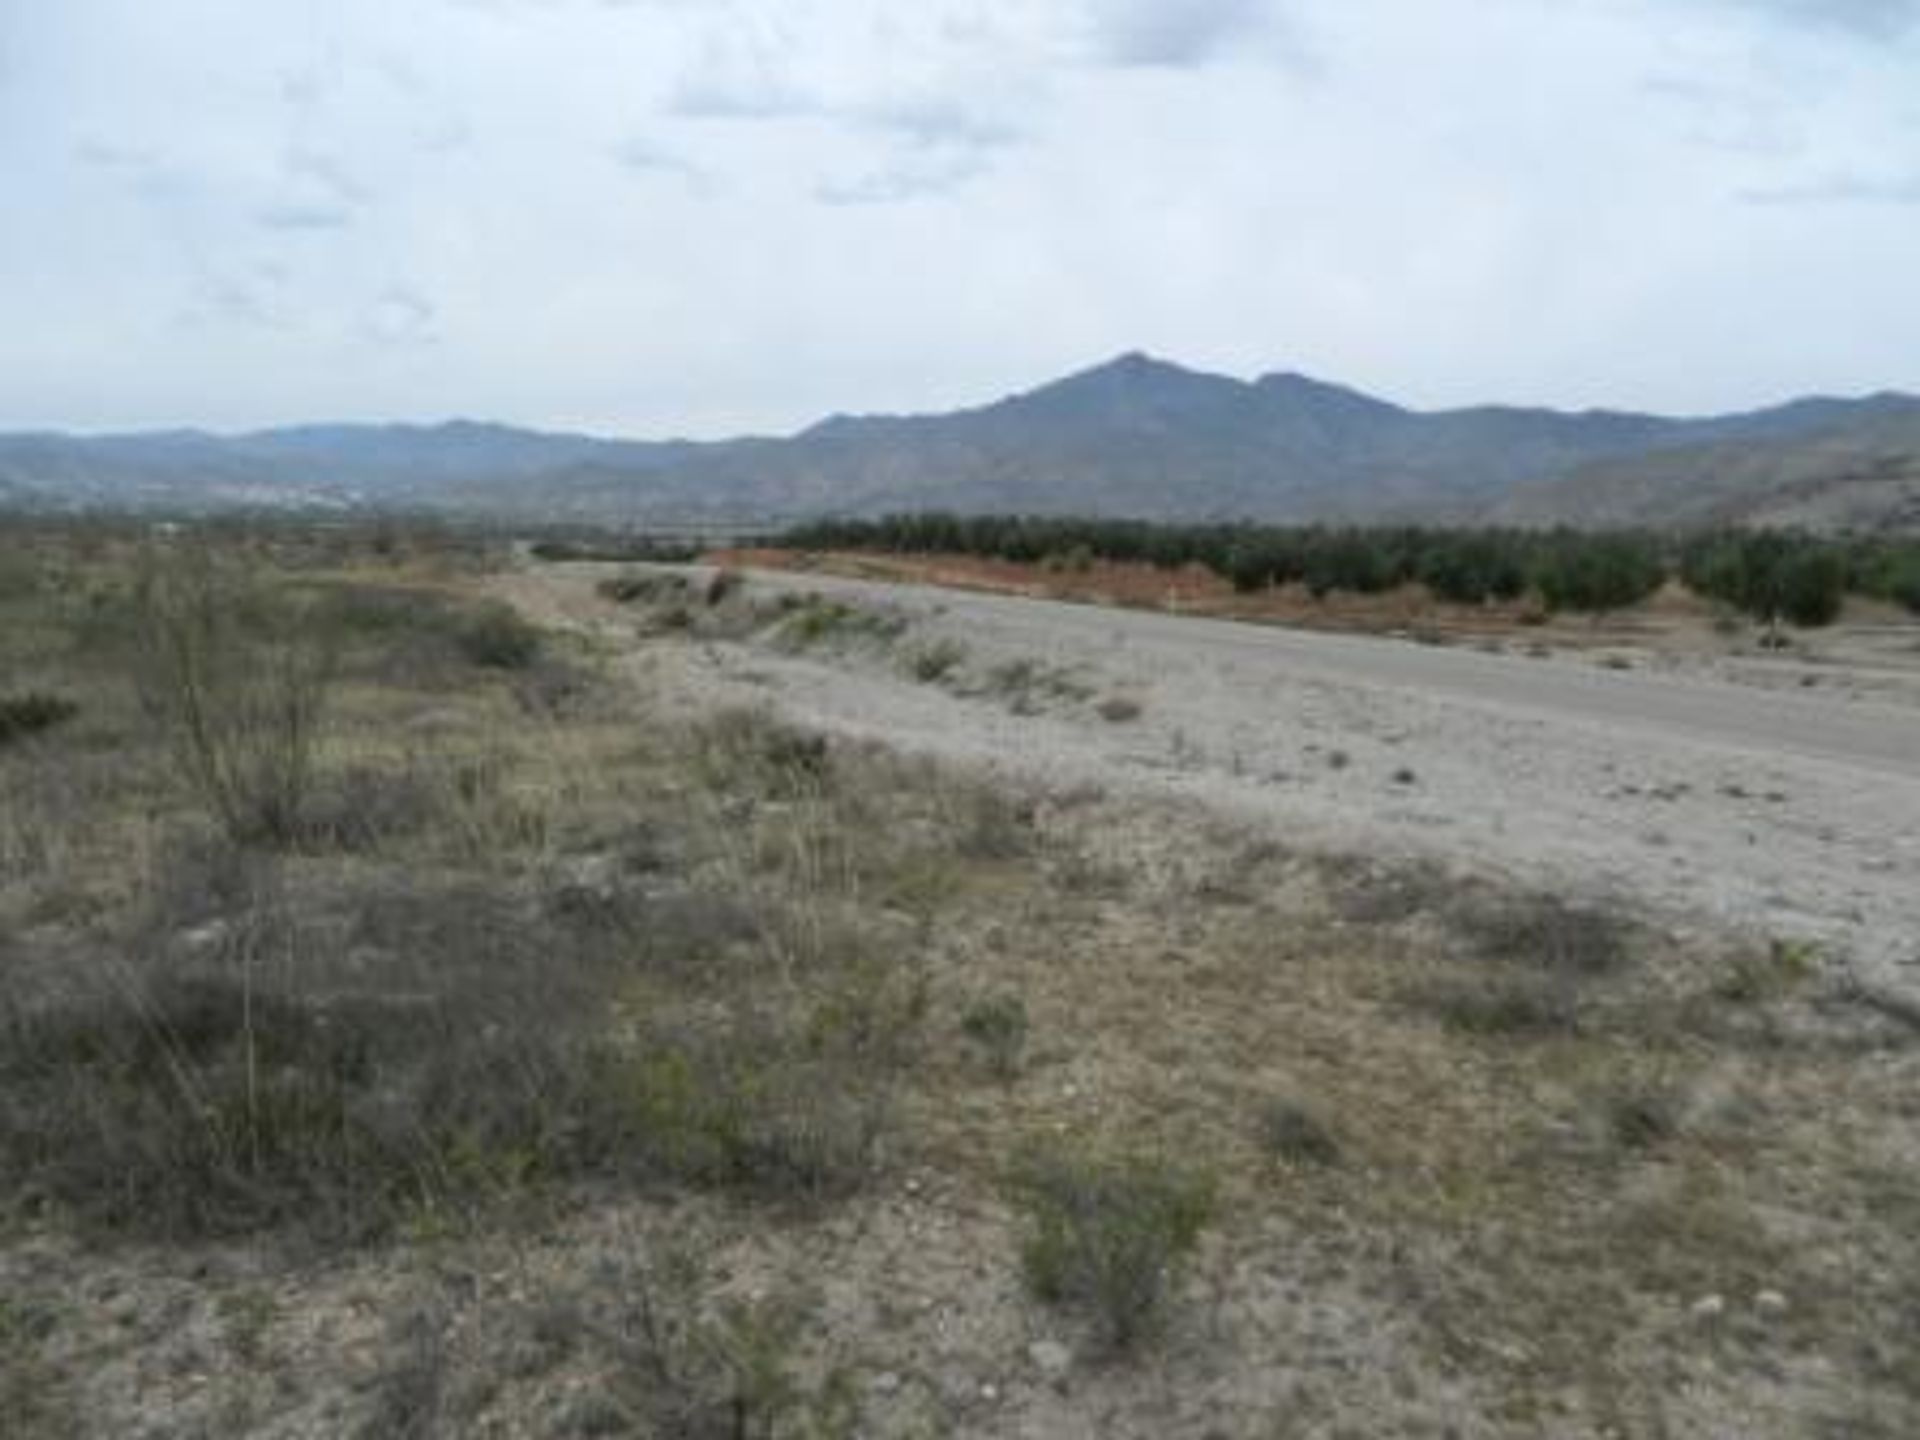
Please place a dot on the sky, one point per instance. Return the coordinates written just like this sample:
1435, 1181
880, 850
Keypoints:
704, 217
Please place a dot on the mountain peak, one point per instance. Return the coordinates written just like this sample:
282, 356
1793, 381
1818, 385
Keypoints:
1307, 390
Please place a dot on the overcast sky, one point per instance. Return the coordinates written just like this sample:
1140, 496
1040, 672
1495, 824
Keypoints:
703, 216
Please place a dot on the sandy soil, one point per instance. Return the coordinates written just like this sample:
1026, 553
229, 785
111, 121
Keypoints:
1778, 812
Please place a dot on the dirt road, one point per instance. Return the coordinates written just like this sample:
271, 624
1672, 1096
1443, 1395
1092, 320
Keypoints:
1784, 814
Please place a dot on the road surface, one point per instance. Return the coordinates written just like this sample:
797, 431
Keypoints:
1775, 813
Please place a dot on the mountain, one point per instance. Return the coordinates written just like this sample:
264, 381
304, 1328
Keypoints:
1135, 436
1857, 468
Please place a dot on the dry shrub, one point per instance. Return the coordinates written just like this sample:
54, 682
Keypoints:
1108, 1234
236, 676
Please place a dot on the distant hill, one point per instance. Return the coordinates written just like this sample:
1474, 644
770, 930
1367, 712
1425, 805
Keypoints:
1135, 436
1857, 470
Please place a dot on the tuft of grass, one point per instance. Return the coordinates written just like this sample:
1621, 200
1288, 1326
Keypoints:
408, 1397
1506, 1005
32, 712
934, 662
499, 639
1108, 1234
1546, 933
818, 621
1027, 684
1755, 978
1289, 1131
998, 1026
1643, 1117
237, 676
752, 750
33, 1396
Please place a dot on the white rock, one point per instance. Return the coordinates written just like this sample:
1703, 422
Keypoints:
1709, 1307
1771, 1301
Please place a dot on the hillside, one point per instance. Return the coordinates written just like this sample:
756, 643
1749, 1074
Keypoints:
1856, 472
1136, 436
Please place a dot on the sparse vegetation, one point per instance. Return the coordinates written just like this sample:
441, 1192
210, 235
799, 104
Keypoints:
819, 621
1110, 1234
559, 981
936, 661
32, 712
997, 1025
498, 638
237, 677
1290, 1131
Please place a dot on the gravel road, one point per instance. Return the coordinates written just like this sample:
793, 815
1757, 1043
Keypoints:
1776, 813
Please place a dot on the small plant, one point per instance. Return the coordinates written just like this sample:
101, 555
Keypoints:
409, 1394
32, 712
1109, 1234
816, 621
1119, 709
627, 589
498, 639
998, 1026
1642, 1118
1508, 1005
33, 1395
932, 663
1546, 933
1291, 1132
1755, 978
749, 748
237, 676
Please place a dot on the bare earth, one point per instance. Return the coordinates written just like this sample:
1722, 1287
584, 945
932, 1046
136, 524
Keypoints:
1778, 813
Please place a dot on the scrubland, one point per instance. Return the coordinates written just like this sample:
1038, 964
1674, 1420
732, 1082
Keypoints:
416, 1020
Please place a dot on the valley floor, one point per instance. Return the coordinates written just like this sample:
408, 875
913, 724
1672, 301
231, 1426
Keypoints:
783, 939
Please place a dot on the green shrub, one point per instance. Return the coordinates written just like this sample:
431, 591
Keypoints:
1109, 1234
32, 712
499, 639
1643, 1118
817, 620
745, 748
932, 663
1289, 1131
998, 1026
1545, 932
648, 588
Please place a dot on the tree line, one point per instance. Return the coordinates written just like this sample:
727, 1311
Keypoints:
1771, 575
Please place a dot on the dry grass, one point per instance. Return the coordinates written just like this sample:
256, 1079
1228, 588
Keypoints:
537, 952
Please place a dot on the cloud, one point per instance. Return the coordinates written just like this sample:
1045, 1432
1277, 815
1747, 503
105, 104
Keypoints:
642, 157
1871, 19
399, 316
1841, 190
910, 180
742, 74
304, 217
255, 297
934, 123
145, 171
313, 192
1177, 34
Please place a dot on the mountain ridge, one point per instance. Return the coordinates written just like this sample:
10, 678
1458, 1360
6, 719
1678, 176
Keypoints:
1135, 435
